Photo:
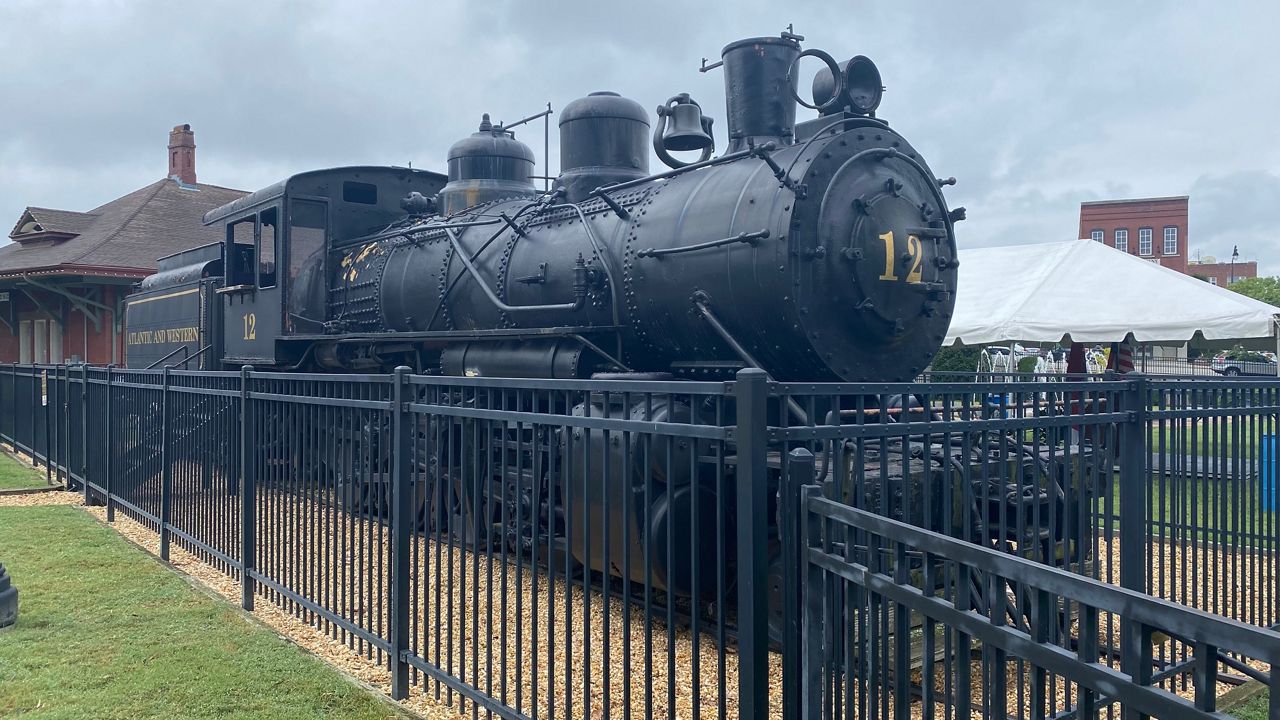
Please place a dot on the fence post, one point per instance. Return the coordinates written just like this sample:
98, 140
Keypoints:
48, 429
50, 449
35, 401
66, 424
13, 411
1135, 639
48, 396
166, 472
84, 431
13, 424
248, 528
402, 515
752, 393
813, 628
800, 472
107, 452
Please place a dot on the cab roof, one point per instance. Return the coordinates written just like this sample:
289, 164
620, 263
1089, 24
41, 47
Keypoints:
272, 192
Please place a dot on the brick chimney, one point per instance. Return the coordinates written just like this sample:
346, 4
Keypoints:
182, 154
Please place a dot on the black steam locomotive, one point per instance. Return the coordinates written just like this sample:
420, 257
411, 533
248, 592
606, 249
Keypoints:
822, 250
816, 251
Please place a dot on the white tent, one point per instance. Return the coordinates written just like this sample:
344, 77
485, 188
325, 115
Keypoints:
1085, 291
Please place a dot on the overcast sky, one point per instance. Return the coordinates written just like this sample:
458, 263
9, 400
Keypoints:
1034, 106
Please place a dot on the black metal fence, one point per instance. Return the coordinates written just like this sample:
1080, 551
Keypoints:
617, 548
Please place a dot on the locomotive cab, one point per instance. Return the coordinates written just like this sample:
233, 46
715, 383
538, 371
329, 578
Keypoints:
277, 245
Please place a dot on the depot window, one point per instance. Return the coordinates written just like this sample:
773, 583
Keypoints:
1171, 241
1122, 240
1096, 235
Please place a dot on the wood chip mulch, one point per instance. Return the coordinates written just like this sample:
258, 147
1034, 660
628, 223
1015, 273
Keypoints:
41, 498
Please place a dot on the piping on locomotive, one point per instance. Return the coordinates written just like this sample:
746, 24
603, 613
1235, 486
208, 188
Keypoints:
820, 250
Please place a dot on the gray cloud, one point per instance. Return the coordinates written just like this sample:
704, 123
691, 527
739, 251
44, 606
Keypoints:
1237, 209
1033, 106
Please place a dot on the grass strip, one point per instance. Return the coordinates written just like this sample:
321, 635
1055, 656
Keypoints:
17, 476
104, 631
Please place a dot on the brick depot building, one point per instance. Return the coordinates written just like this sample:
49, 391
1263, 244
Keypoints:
1152, 228
64, 276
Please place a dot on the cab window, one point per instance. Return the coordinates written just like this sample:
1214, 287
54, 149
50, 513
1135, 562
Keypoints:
253, 245
307, 236
240, 242
306, 283
268, 237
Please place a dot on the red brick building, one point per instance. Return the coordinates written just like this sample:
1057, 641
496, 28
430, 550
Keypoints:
63, 277
1223, 273
1152, 228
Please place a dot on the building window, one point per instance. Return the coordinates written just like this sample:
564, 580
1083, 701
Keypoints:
42, 342
55, 343
1171, 241
1213, 280
1122, 240
1096, 235
1144, 241
25, 342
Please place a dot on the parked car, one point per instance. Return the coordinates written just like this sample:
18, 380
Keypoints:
1244, 364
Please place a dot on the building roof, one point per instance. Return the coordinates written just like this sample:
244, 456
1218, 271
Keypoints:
1168, 198
54, 222
124, 236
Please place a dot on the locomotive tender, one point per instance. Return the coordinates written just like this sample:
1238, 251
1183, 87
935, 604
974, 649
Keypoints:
819, 250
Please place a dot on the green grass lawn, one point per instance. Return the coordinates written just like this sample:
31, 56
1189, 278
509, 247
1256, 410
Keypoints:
1255, 709
1208, 505
1211, 437
18, 475
105, 631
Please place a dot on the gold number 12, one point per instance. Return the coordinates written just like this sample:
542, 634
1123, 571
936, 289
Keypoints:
250, 326
913, 250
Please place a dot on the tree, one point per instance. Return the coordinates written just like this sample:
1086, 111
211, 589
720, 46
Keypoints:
1266, 289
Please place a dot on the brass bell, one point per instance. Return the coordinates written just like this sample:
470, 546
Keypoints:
686, 129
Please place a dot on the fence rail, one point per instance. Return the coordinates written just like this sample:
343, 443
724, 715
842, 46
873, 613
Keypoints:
611, 548
864, 617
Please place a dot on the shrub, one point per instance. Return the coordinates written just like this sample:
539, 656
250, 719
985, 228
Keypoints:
1243, 355
957, 359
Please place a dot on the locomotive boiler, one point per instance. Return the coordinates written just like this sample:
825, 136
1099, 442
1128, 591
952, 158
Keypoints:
821, 250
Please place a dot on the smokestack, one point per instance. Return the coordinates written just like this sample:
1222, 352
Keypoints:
182, 154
